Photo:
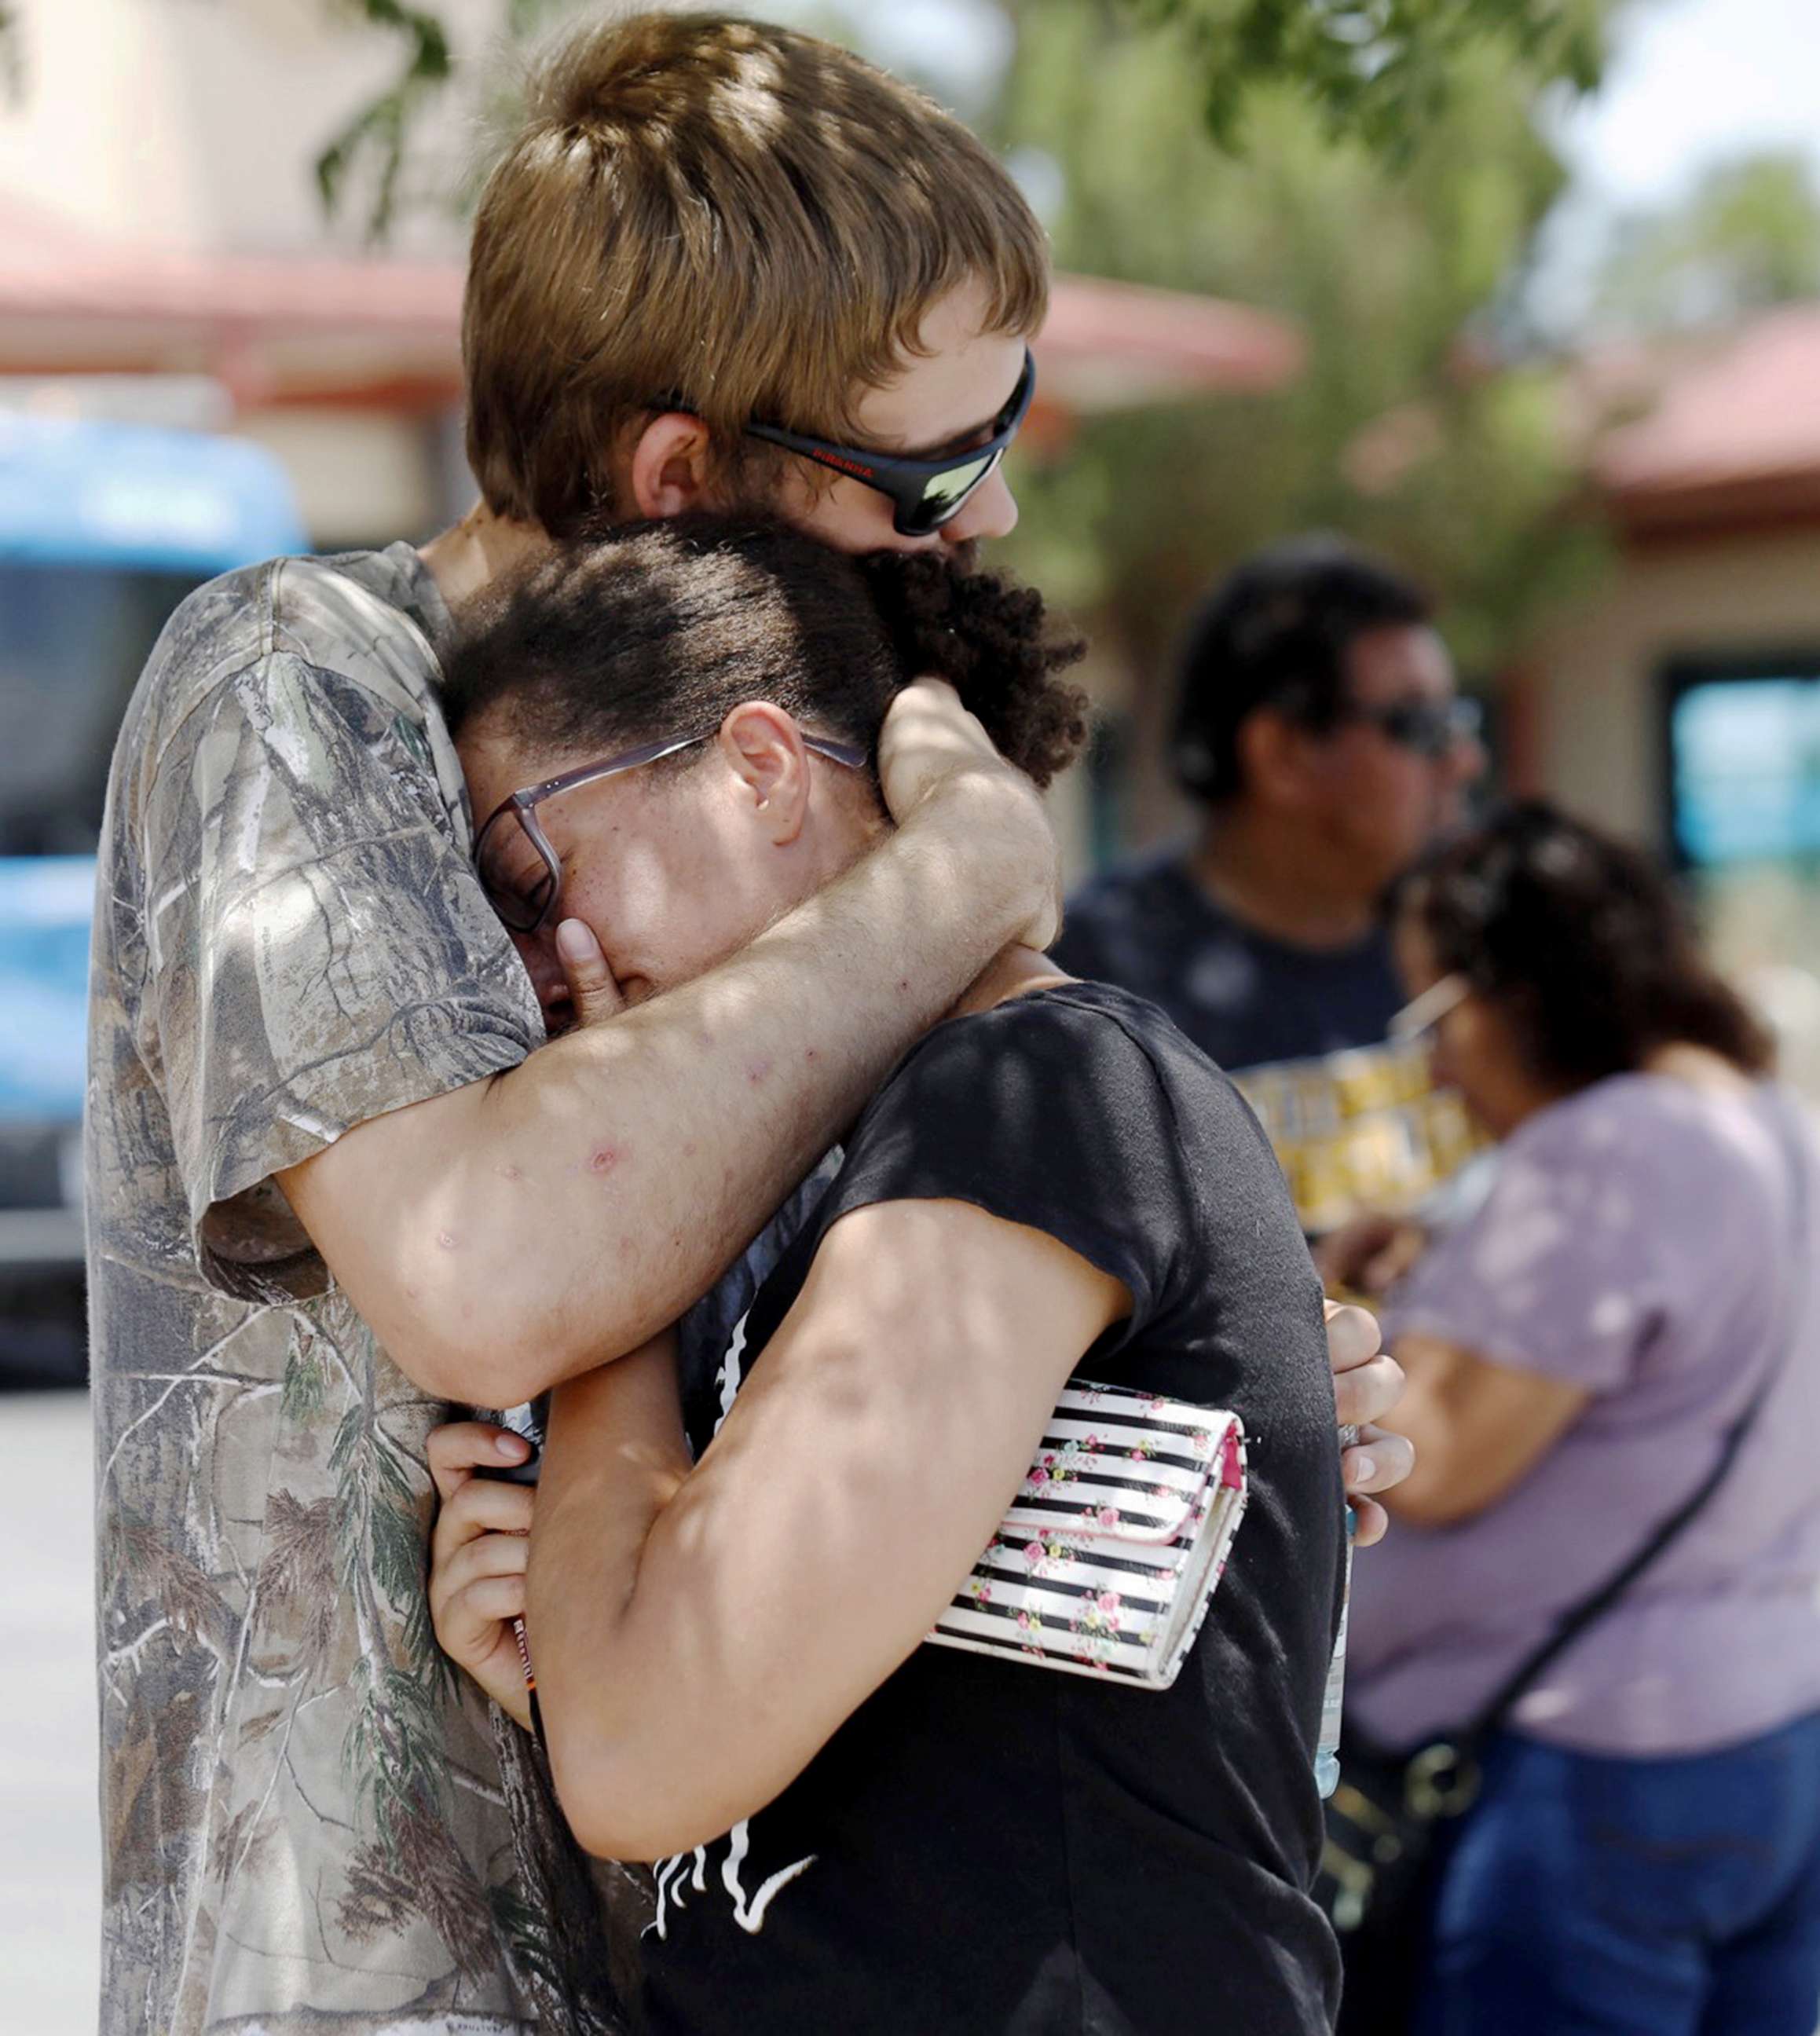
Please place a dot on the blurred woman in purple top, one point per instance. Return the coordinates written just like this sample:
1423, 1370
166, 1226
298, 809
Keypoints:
1645, 1856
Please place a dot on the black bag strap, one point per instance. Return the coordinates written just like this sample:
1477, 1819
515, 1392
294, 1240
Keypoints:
1575, 1621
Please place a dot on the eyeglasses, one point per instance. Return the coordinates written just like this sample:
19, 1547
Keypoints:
1429, 728
519, 871
1423, 1013
926, 493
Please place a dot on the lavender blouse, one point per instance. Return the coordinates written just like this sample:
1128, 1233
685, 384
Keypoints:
1647, 1240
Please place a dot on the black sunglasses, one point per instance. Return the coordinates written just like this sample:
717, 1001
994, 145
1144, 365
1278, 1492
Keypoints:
1430, 728
926, 493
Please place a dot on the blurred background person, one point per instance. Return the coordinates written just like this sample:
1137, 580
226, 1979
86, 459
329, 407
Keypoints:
1644, 1852
1320, 728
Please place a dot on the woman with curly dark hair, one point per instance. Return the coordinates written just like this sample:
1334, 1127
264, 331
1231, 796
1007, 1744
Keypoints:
1629, 1320
729, 1577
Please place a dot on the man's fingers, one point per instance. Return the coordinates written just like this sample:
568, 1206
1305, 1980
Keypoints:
457, 1447
1378, 1460
470, 1590
486, 1556
489, 1601
1368, 1392
1353, 1337
1370, 1523
591, 988
469, 1622
482, 1506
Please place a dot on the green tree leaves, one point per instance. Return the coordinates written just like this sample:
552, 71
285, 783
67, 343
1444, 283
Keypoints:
379, 130
1408, 428
1381, 72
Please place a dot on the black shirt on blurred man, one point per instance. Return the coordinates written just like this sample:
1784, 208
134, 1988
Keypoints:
1319, 730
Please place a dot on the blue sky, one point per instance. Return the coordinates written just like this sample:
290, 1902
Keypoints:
1693, 82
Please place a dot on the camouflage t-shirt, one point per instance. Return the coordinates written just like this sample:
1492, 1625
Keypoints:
310, 1823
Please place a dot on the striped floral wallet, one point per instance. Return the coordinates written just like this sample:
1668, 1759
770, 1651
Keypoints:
1108, 1559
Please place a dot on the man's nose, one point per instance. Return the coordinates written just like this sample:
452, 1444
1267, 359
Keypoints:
1466, 760
989, 511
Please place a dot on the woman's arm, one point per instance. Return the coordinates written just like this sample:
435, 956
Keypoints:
698, 1634
1478, 1428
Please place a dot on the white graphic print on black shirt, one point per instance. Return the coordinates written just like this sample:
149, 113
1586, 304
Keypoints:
684, 1872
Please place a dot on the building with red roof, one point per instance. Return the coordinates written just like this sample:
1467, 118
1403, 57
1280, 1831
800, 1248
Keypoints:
1682, 704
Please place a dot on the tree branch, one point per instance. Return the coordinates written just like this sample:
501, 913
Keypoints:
378, 132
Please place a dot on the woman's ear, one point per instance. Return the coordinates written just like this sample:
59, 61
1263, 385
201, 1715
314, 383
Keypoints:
762, 747
672, 468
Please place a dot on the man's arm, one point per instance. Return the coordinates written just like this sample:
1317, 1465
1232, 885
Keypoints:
698, 1634
507, 1235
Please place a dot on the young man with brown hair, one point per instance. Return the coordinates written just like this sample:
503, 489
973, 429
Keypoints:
332, 1184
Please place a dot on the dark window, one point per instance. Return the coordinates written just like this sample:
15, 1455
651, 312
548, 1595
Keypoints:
73, 640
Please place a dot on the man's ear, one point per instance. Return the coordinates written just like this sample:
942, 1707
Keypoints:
762, 747
1273, 757
672, 467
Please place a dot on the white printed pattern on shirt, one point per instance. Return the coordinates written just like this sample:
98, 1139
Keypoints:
674, 1881
673, 1877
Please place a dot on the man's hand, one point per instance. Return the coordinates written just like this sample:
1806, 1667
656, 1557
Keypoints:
478, 1556
1367, 1383
930, 747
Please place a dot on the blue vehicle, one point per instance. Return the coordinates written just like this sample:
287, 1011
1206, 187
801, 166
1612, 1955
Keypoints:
103, 529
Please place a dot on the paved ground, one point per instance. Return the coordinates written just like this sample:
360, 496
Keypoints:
50, 1858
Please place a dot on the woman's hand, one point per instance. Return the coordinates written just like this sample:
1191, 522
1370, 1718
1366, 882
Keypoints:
1370, 1254
478, 1555
1367, 1383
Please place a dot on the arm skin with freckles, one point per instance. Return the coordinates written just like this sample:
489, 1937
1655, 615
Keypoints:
508, 1235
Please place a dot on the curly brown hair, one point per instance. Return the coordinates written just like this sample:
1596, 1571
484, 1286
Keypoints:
662, 628
1584, 944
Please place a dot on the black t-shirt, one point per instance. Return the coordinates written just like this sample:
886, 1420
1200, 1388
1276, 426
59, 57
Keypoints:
990, 1846
1244, 999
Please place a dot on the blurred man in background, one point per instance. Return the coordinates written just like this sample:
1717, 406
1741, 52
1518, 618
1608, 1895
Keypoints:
1321, 730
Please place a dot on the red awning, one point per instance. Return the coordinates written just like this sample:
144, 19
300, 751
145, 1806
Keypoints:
1722, 431
311, 327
